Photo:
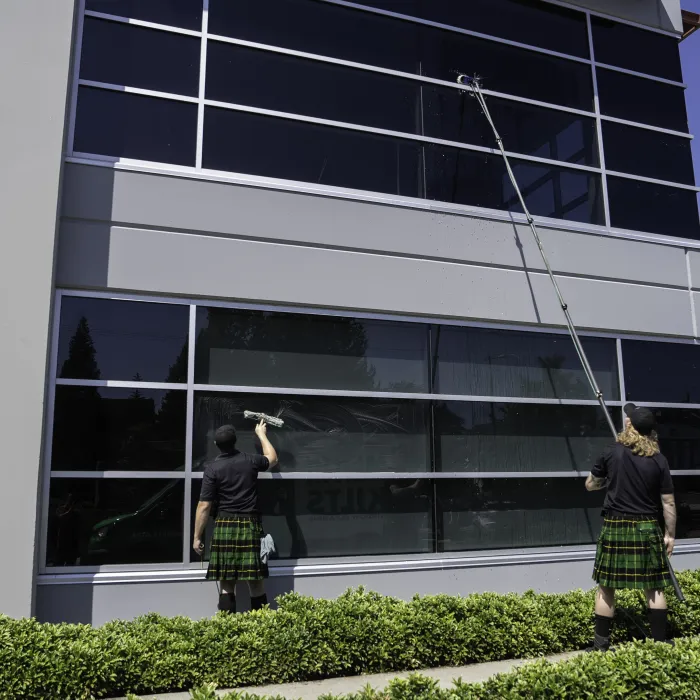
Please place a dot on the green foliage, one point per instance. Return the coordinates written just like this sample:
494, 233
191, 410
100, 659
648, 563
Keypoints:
307, 639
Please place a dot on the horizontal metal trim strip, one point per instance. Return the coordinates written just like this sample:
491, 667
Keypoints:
142, 23
654, 181
648, 127
138, 91
481, 560
637, 74
248, 180
116, 384
80, 474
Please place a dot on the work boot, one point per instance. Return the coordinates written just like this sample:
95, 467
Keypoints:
227, 603
258, 602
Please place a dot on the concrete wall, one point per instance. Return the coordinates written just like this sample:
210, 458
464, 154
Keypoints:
101, 603
154, 233
663, 14
35, 45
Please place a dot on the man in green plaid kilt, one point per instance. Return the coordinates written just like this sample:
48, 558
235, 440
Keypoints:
230, 482
632, 549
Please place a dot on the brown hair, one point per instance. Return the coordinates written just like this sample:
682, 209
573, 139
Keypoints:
642, 445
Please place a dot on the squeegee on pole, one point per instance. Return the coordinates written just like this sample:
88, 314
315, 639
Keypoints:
473, 84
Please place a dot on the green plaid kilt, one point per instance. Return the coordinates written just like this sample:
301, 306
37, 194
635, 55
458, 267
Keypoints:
631, 554
235, 549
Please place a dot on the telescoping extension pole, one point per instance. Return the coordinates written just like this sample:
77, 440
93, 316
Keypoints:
473, 83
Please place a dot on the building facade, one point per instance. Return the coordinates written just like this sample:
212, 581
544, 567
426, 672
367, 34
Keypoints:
291, 206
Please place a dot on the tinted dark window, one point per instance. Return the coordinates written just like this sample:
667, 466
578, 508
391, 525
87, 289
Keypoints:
114, 521
124, 125
481, 362
515, 513
528, 22
275, 81
103, 429
641, 100
663, 372
331, 30
177, 13
123, 54
648, 153
679, 436
256, 348
124, 340
644, 206
321, 434
455, 115
478, 179
636, 49
499, 437
335, 518
273, 147
688, 506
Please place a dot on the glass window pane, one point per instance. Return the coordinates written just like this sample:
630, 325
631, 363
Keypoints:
177, 13
645, 206
642, 100
101, 429
124, 54
526, 21
281, 148
320, 433
260, 348
340, 518
501, 437
125, 125
688, 506
274, 81
331, 30
636, 49
648, 153
516, 513
483, 362
122, 340
115, 521
679, 436
663, 372
455, 115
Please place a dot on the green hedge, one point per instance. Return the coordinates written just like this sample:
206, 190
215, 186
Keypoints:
305, 639
638, 671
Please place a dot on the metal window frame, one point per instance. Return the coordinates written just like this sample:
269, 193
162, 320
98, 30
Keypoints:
312, 566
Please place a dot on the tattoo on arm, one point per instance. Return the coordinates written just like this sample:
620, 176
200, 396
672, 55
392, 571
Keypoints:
669, 503
595, 483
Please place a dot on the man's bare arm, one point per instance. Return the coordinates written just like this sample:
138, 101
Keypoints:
267, 448
669, 504
200, 524
595, 483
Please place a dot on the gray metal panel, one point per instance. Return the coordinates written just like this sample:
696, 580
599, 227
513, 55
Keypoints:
161, 262
694, 268
98, 604
35, 43
177, 203
664, 14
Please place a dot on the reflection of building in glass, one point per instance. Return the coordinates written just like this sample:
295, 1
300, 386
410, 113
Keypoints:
259, 212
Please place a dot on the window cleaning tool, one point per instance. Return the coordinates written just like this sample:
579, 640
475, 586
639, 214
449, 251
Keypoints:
277, 422
473, 84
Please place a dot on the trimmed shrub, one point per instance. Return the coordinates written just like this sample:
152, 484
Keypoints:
305, 639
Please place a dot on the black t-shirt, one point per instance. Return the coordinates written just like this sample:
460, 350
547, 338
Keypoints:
635, 484
230, 481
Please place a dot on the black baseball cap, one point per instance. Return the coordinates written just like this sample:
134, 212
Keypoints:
225, 435
642, 419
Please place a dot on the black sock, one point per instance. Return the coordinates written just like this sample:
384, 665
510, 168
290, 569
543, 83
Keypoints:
258, 601
603, 627
227, 602
657, 622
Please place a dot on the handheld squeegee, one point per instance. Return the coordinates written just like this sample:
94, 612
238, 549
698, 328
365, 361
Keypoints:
271, 420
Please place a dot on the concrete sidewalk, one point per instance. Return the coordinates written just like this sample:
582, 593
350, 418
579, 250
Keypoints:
339, 686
